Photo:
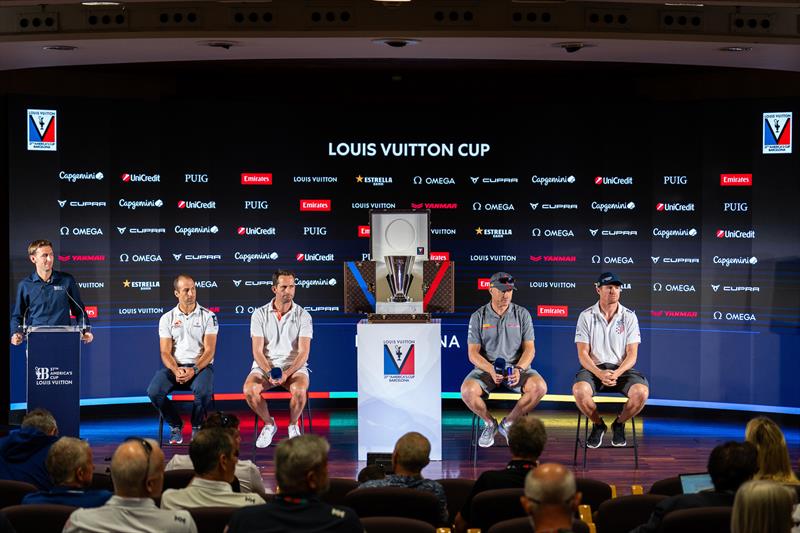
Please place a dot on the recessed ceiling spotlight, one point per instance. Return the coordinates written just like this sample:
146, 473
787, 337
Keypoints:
100, 4
572, 47
736, 49
60, 47
684, 4
396, 43
226, 45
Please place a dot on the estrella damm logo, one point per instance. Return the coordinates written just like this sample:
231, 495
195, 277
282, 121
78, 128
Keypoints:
398, 359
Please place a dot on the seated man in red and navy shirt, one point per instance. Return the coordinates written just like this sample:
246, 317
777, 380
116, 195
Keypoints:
526, 440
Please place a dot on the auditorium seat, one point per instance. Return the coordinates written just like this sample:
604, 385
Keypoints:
593, 491
457, 491
670, 486
102, 481
394, 501
698, 520
626, 512
212, 519
523, 525
395, 524
177, 479
492, 506
12, 492
38, 518
339, 487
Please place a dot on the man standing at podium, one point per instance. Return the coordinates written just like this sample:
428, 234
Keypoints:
281, 334
47, 296
500, 345
188, 340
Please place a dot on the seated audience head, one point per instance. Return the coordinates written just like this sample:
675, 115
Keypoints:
411, 454
214, 453
773, 454
228, 421
762, 507
301, 465
550, 495
42, 420
526, 438
370, 472
731, 464
69, 463
137, 469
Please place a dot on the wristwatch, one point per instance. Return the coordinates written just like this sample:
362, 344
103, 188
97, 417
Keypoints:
196, 370
519, 368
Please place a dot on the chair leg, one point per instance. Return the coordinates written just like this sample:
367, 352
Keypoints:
255, 434
160, 430
308, 409
577, 440
635, 445
474, 440
585, 440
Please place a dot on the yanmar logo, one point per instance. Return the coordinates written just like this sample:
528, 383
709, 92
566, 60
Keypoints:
735, 234
553, 258
664, 313
316, 205
364, 231
82, 258
196, 204
552, 311
251, 178
432, 205
736, 180
439, 256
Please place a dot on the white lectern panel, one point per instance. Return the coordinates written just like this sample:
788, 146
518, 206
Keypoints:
399, 385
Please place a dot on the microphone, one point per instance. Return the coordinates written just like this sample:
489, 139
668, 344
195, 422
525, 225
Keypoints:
83, 313
276, 373
500, 365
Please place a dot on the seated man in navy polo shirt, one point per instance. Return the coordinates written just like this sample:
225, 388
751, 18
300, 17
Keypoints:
501, 330
23, 452
71, 466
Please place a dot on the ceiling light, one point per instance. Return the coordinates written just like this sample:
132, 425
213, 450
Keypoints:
735, 49
60, 47
227, 45
396, 43
100, 4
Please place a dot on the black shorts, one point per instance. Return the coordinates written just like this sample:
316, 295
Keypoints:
624, 383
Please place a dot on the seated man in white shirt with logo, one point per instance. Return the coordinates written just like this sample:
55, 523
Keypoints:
281, 333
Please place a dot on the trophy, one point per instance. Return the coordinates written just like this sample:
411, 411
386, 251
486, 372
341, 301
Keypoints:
399, 276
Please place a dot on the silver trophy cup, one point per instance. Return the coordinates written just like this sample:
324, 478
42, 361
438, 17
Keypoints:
399, 276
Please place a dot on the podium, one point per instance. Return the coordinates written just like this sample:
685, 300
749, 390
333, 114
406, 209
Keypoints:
53, 374
399, 385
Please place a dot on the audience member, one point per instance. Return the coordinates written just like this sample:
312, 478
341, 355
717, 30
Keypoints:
24, 451
137, 469
371, 472
551, 499
412, 454
729, 465
214, 452
301, 470
71, 466
526, 440
247, 472
773, 454
762, 507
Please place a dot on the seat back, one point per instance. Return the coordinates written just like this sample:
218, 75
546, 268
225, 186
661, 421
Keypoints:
212, 519
457, 491
394, 501
38, 518
670, 486
492, 506
177, 479
338, 489
593, 492
395, 524
12, 492
698, 520
626, 512
102, 482
523, 525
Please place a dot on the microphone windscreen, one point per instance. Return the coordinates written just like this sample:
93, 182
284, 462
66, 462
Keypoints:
500, 365
276, 372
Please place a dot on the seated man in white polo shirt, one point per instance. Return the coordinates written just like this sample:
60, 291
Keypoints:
607, 337
281, 333
214, 453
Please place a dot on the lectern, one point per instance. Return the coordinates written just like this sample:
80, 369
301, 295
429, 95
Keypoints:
54, 369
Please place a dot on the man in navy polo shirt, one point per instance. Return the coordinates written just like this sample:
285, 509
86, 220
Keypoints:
501, 330
607, 337
47, 296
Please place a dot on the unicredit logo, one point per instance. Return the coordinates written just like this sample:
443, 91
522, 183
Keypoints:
736, 180
315, 257
553, 311
483, 284
250, 178
363, 231
660, 206
613, 180
140, 178
736, 234
439, 256
246, 231
315, 205
196, 204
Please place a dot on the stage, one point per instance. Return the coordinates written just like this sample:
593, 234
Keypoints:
671, 441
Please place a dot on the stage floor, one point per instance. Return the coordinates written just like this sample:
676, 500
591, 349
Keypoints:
669, 443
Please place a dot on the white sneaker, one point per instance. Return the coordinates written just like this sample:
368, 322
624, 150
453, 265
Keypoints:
503, 428
265, 437
486, 439
294, 430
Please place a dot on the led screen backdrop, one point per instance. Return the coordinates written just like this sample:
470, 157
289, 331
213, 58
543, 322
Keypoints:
693, 205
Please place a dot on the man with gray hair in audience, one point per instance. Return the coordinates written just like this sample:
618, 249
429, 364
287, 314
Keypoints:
412, 454
551, 499
214, 453
23, 452
137, 469
301, 470
71, 466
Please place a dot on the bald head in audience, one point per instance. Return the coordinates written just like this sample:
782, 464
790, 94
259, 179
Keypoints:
137, 469
550, 497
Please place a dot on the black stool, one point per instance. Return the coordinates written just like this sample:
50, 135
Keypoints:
581, 442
